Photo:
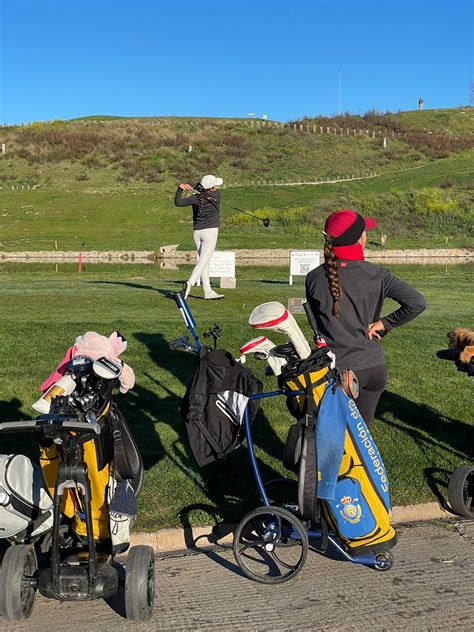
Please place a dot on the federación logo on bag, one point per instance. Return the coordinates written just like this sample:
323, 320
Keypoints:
349, 510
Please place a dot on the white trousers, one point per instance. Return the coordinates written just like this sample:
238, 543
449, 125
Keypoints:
205, 240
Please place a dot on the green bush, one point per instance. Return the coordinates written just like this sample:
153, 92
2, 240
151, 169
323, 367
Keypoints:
435, 200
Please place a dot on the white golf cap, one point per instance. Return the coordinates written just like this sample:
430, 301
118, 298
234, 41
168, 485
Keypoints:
211, 181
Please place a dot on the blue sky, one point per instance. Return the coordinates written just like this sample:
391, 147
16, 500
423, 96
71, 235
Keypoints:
68, 58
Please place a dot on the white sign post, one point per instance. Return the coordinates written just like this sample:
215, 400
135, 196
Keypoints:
301, 262
222, 265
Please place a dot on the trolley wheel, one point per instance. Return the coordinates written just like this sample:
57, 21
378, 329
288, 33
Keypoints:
140, 583
17, 593
383, 561
263, 552
461, 491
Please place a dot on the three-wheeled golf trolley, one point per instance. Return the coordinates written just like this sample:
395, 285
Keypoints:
58, 562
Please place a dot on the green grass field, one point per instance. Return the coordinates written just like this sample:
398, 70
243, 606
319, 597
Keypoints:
424, 426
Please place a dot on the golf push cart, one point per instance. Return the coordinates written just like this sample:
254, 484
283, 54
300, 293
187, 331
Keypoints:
272, 541
461, 482
46, 552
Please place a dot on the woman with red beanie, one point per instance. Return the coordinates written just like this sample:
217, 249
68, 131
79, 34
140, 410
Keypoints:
346, 296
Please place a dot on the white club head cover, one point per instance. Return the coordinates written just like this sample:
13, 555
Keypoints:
263, 345
275, 316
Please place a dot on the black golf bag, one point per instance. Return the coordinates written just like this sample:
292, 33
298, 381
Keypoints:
214, 404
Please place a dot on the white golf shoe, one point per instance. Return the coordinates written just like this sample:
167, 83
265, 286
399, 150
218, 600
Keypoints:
213, 296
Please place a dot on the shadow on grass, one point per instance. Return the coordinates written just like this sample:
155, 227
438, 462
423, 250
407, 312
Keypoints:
427, 426
138, 286
438, 480
17, 443
272, 282
228, 484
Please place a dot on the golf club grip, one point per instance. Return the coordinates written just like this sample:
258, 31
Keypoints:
310, 317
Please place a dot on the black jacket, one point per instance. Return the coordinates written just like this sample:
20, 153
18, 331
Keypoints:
364, 288
214, 403
205, 216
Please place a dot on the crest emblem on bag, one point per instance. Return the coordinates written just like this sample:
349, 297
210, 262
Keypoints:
349, 509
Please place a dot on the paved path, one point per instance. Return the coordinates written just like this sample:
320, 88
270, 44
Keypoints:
430, 587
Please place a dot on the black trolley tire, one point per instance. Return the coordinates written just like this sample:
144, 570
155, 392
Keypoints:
457, 490
383, 561
17, 594
140, 583
251, 518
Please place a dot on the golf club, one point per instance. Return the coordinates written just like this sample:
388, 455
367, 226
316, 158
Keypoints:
265, 220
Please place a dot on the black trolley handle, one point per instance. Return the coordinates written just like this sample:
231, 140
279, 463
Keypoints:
60, 422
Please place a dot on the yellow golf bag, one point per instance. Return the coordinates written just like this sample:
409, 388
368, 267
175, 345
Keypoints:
341, 476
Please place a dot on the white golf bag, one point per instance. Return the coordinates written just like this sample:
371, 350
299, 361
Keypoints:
262, 347
25, 504
275, 316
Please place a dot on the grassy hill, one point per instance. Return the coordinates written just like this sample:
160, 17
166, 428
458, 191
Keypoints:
109, 181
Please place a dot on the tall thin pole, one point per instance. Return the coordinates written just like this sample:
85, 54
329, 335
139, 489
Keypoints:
339, 91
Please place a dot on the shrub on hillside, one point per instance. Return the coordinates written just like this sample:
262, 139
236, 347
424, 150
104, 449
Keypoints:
435, 200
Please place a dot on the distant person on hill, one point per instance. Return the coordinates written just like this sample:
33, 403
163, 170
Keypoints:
420, 103
346, 295
205, 200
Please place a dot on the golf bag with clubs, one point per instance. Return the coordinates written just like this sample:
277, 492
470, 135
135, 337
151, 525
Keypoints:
342, 481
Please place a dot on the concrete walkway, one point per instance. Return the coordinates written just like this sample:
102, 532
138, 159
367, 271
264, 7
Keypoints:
430, 587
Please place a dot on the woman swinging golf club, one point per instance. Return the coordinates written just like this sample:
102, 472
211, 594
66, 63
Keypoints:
205, 200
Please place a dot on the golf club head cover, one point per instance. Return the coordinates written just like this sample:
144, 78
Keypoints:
274, 315
95, 346
263, 345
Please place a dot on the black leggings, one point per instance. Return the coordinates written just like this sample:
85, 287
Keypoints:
371, 384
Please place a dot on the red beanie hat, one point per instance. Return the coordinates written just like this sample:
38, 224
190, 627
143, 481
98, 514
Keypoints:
346, 226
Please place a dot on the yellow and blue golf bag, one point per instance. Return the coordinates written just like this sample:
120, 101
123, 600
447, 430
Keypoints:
342, 482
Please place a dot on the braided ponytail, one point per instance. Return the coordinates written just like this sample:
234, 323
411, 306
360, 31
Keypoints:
331, 273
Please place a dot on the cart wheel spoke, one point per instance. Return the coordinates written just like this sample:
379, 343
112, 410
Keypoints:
268, 533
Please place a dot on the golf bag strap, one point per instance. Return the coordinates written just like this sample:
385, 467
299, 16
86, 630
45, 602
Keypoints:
324, 533
121, 463
33, 526
215, 446
321, 380
310, 475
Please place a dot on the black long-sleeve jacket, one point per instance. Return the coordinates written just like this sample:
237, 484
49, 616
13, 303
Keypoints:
364, 288
207, 215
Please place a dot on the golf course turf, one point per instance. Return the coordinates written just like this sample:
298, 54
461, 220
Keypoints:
423, 427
